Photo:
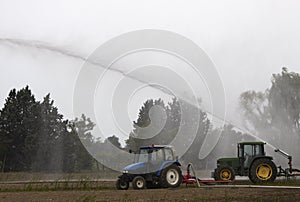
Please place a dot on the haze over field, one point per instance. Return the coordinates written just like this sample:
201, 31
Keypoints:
44, 45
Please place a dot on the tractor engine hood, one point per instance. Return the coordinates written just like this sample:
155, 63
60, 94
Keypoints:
232, 162
136, 168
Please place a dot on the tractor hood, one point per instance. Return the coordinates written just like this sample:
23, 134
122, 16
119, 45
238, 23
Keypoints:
136, 168
232, 162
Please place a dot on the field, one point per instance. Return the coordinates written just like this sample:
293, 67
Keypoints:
69, 188
182, 194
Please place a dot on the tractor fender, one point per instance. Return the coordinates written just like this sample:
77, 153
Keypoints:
166, 164
260, 157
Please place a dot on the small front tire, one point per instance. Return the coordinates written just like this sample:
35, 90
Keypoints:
224, 173
138, 182
122, 185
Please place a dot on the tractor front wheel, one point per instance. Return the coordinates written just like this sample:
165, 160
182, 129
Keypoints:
138, 182
171, 177
122, 184
263, 171
224, 173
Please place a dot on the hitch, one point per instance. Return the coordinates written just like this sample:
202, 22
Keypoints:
288, 172
188, 179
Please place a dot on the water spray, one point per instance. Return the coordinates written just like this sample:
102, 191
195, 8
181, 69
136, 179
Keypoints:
70, 54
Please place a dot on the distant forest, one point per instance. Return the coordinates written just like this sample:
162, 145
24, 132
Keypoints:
272, 115
35, 137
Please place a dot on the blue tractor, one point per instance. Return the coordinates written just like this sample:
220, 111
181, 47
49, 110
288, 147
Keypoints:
155, 167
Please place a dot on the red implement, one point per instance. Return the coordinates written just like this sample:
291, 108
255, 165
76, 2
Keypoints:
188, 179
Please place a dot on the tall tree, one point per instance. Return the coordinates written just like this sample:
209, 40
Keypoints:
284, 100
277, 107
198, 120
49, 146
83, 127
195, 121
19, 123
255, 108
150, 125
35, 137
82, 138
134, 141
275, 113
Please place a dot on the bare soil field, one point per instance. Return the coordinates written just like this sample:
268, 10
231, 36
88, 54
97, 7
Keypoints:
94, 187
180, 194
105, 191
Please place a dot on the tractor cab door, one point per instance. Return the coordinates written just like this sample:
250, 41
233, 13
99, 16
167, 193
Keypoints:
248, 155
156, 157
248, 152
169, 154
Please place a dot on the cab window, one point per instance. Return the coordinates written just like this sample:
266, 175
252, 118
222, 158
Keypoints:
143, 155
168, 155
248, 150
157, 155
258, 150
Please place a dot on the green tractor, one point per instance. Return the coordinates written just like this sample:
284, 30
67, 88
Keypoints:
251, 161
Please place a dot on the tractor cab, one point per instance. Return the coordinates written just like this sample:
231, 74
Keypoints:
154, 166
150, 158
155, 154
248, 151
251, 161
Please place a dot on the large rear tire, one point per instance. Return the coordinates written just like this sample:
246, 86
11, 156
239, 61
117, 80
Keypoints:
263, 171
138, 182
122, 185
171, 177
224, 173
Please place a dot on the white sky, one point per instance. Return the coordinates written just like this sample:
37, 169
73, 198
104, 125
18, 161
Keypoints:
247, 40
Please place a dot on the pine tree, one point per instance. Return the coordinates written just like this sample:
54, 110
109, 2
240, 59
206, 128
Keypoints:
34, 136
82, 138
19, 123
156, 124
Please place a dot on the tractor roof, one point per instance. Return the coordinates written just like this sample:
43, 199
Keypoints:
252, 143
156, 146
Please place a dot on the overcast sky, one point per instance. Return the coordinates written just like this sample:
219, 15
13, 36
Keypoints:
246, 40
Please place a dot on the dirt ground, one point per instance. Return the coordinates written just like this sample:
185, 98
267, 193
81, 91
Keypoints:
204, 193
104, 190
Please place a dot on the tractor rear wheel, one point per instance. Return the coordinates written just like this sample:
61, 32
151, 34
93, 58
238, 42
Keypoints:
138, 182
171, 177
122, 184
224, 173
263, 171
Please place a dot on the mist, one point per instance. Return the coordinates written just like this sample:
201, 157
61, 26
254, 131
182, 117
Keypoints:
45, 46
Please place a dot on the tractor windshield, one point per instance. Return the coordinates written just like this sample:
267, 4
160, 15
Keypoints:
143, 155
253, 150
149, 155
250, 150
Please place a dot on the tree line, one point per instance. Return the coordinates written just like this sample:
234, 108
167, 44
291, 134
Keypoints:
272, 115
35, 137
275, 112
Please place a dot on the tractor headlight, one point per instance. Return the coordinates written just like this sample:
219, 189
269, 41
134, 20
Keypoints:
125, 171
